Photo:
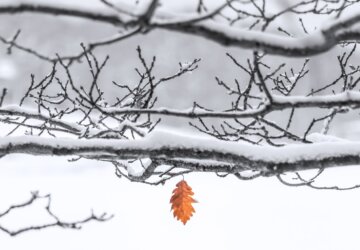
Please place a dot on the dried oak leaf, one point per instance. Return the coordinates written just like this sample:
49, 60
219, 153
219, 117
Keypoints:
181, 202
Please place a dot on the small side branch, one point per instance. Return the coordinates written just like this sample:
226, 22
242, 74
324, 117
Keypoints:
57, 221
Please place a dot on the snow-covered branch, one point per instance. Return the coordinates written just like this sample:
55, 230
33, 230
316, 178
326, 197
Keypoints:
123, 131
60, 10
122, 127
150, 16
215, 155
278, 103
315, 43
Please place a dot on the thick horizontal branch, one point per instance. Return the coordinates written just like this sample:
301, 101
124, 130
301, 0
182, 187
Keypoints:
346, 98
326, 37
165, 145
278, 103
310, 45
315, 43
62, 11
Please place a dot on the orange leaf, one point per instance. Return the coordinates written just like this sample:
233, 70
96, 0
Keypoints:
181, 202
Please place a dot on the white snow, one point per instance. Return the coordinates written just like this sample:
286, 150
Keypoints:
138, 167
319, 137
159, 140
340, 97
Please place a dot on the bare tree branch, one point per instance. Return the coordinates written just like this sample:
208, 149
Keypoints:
331, 34
57, 222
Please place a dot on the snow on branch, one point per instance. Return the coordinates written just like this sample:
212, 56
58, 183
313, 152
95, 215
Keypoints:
151, 16
60, 9
243, 138
166, 147
123, 130
278, 103
320, 41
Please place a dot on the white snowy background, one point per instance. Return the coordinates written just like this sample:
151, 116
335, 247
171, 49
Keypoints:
231, 214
